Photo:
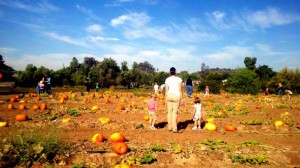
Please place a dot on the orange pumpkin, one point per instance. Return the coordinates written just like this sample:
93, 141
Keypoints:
98, 138
117, 137
17, 97
43, 106
13, 99
120, 148
257, 107
10, 106
121, 107
21, 117
22, 107
66, 97
38, 98
230, 128
62, 100
35, 107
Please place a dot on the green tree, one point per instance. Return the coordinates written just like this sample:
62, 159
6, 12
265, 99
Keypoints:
250, 63
265, 74
145, 66
244, 81
124, 66
108, 72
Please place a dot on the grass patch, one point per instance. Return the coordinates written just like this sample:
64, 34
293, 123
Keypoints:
31, 145
213, 144
251, 122
255, 160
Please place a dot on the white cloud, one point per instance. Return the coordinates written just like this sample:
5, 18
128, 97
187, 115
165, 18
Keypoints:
270, 17
6, 50
52, 61
39, 6
66, 39
218, 15
135, 20
88, 12
95, 28
99, 38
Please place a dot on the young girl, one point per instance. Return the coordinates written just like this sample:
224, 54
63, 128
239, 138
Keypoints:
206, 91
152, 111
197, 114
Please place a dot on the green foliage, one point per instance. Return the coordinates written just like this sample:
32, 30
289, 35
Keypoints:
250, 63
244, 81
250, 143
251, 122
37, 144
256, 160
78, 166
214, 81
147, 159
73, 112
213, 144
157, 148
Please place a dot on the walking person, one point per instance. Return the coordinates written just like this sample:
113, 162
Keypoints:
88, 84
152, 111
173, 88
189, 86
155, 88
197, 115
206, 91
280, 90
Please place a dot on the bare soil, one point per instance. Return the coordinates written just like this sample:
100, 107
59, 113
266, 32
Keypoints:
278, 144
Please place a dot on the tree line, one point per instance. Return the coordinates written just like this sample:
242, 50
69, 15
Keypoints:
106, 73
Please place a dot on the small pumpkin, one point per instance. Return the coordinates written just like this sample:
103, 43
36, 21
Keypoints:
257, 107
117, 137
13, 99
21, 117
35, 107
230, 128
210, 126
43, 106
123, 165
22, 106
98, 138
10, 106
94, 108
146, 117
3, 124
120, 148
104, 120
61, 100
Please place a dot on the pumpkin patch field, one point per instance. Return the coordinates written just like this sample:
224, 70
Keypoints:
111, 129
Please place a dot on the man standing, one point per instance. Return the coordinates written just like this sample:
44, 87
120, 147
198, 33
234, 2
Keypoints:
173, 86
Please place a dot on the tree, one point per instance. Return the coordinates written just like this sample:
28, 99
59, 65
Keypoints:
265, 74
214, 81
146, 66
250, 63
74, 65
124, 66
204, 70
108, 72
244, 81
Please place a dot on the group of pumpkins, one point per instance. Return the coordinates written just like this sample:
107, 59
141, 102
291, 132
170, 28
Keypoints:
120, 147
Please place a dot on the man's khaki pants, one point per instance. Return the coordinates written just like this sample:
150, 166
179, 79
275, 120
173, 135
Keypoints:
173, 102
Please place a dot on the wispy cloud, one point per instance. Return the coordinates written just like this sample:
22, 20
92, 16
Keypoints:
6, 50
88, 12
99, 38
251, 20
95, 28
270, 17
138, 25
66, 39
36, 6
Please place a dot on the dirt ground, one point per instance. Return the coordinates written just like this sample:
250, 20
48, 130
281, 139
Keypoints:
278, 146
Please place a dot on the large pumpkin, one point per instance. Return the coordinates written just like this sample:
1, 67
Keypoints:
120, 148
21, 117
117, 137
98, 138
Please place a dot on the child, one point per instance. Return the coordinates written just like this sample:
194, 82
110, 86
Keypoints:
289, 93
38, 88
206, 91
197, 114
42, 86
267, 92
97, 87
152, 111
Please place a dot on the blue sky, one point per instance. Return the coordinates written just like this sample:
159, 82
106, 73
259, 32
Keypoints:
166, 33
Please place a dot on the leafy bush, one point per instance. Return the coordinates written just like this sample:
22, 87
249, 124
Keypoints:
37, 144
244, 81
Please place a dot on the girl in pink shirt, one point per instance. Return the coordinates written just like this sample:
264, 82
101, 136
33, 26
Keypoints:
152, 111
